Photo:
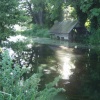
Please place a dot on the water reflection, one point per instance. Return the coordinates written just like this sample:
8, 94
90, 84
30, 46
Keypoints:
58, 60
54, 61
67, 68
66, 60
77, 67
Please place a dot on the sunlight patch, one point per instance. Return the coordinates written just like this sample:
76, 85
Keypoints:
66, 68
66, 64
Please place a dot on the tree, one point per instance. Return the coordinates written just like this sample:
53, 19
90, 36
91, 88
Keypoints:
43, 12
54, 11
36, 10
77, 6
91, 78
89, 9
9, 16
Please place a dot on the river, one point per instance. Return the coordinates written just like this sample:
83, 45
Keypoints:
70, 63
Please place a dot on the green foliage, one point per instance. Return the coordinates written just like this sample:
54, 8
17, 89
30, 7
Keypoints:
44, 12
37, 31
41, 33
95, 12
54, 9
90, 10
13, 86
19, 46
9, 16
95, 38
85, 5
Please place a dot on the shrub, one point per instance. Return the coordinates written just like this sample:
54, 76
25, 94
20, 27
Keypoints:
95, 38
37, 31
14, 87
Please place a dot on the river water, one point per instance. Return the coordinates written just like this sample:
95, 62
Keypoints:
68, 63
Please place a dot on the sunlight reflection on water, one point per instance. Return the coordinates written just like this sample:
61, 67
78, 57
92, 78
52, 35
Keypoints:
65, 61
66, 68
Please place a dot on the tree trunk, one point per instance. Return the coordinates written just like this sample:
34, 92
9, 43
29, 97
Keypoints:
37, 17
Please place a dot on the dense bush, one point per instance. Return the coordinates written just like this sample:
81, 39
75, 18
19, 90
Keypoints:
36, 31
95, 38
13, 86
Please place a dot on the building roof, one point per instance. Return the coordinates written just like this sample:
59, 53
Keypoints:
63, 27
